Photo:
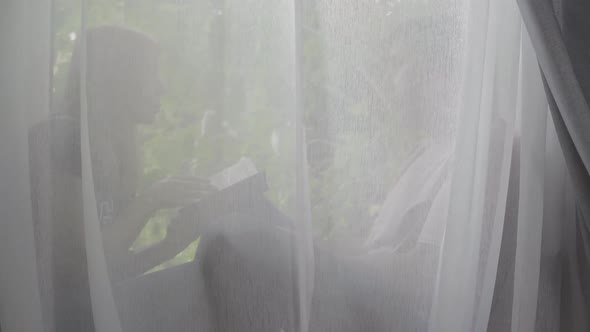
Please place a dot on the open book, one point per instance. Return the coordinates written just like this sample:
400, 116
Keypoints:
239, 185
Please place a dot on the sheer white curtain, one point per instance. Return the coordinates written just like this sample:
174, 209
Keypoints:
24, 94
483, 154
250, 165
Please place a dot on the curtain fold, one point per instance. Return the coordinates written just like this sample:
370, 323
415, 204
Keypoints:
304, 263
469, 256
104, 310
560, 38
531, 192
24, 95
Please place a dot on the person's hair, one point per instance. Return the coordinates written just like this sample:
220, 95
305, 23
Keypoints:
116, 61
115, 58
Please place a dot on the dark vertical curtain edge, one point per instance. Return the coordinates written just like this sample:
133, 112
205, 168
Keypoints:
571, 116
543, 28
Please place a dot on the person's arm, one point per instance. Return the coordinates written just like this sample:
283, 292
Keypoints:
119, 235
172, 192
132, 264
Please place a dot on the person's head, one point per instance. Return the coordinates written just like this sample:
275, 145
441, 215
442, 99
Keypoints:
123, 83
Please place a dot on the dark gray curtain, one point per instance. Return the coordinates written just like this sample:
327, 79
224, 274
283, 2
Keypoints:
560, 32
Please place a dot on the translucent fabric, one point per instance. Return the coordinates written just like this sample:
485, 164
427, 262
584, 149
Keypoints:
252, 165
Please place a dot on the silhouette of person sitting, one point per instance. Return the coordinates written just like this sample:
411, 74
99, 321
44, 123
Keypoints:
123, 91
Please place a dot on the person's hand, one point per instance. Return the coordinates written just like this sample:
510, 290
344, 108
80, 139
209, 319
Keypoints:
177, 191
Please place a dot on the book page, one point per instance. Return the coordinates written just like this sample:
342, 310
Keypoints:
240, 171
